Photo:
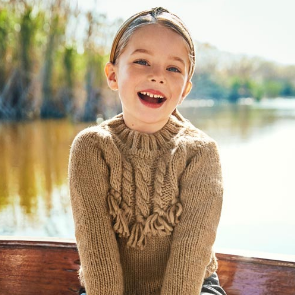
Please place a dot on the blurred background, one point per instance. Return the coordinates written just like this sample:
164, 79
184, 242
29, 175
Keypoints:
52, 85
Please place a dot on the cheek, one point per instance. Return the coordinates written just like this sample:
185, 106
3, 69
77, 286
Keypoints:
179, 84
123, 79
134, 72
128, 77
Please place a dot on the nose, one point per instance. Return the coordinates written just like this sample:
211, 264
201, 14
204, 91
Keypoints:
157, 76
161, 81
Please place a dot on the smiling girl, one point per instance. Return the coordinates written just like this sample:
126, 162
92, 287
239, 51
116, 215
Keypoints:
146, 185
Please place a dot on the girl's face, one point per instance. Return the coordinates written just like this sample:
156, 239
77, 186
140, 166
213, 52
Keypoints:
151, 76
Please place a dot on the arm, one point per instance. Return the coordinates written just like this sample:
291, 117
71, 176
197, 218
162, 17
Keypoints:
96, 241
201, 196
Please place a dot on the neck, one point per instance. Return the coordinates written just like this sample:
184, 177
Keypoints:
144, 127
133, 142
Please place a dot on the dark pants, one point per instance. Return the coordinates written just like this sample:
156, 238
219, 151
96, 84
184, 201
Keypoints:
210, 286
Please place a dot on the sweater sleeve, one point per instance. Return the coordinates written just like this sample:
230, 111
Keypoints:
201, 193
101, 271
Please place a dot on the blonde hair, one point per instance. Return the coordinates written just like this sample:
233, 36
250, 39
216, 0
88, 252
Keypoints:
156, 15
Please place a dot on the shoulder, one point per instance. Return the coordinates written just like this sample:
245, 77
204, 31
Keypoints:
196, 140
85, 138
97, 136
192, 137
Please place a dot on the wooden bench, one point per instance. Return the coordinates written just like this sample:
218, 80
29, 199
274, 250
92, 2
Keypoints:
37, 267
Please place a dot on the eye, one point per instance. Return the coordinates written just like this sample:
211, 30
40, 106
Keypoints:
173, 69
141, 62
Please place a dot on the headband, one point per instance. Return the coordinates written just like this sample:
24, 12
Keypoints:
153, 12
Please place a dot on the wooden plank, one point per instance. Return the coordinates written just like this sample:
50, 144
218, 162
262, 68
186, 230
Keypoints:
49, 266
38, 267
256, 276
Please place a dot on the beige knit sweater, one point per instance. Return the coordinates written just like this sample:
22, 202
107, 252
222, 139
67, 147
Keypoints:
146, 207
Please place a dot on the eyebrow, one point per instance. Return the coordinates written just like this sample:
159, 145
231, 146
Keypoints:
176, 58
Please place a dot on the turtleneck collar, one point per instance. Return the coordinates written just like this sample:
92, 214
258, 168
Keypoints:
144, 144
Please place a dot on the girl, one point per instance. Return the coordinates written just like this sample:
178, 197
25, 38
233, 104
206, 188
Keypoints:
146, 185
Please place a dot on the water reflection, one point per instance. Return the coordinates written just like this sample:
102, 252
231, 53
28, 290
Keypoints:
230, 124
33, 182
257, 150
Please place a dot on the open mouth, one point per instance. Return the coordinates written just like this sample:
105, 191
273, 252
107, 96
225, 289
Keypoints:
151, 98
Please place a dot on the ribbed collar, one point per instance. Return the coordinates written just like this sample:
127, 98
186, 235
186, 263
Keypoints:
142, 144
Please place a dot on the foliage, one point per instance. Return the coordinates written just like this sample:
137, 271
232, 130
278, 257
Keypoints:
205, 86
220, 75
52, 58
45, 66
5, 28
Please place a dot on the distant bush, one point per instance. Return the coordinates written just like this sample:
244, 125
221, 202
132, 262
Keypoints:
49, 70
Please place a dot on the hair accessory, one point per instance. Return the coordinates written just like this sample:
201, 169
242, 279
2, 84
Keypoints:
154, 12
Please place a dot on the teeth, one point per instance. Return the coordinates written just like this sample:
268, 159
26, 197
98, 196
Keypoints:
152, 95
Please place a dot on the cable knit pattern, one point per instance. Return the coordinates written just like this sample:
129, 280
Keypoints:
146, 207
128, 190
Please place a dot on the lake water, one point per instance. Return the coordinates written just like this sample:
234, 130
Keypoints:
257, 149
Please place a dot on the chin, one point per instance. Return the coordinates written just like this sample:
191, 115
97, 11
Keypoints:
151, 119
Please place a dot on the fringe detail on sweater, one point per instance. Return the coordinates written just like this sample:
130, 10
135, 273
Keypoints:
137, 238
120, 220
157, 224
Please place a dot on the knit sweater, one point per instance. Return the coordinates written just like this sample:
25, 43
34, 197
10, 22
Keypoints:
146, 207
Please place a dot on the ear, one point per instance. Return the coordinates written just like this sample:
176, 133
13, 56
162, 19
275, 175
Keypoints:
186, 91
110, 72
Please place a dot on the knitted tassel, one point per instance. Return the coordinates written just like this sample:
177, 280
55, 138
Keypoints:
120, 225
127, 211
120, 221
157, 226
162, 226
149, 229
143, 238
173, 213
137, 238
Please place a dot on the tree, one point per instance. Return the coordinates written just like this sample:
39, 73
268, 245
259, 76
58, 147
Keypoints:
15, 95
94, 72
59, 12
